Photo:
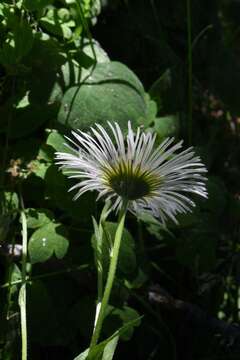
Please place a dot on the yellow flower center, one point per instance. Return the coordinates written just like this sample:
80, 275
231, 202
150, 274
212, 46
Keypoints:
129, 182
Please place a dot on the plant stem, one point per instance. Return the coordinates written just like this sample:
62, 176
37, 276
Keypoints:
86, 28
190, 97
22, 292
110, 279
42, 276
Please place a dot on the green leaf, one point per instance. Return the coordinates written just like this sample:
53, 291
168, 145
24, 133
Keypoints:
57, 141
23, 38
38, 217
127, 256
165, 92
57, 189
121, 316
39, 168
36, 4
111, 93
110, 348
98, 350
56, 28
151, 110
46, 241
25, 120
167, 126
9, 201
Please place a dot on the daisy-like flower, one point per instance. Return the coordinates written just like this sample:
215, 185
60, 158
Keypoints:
157, 180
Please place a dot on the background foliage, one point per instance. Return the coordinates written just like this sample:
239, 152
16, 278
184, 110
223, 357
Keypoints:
67, 64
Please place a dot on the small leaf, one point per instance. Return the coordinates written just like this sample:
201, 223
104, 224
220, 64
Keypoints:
46, 241
167, 126
57, 141
123, 316
38, 168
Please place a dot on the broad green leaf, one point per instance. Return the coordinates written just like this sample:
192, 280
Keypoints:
48, 240
101, 55
38, 217
111, 93
81, 63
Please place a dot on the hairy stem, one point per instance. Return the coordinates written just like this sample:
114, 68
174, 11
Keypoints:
110, 279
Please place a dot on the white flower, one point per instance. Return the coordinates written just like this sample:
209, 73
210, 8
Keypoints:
154, 180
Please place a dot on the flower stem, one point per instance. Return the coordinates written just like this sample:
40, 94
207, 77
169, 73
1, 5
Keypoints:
22, 292
110, 278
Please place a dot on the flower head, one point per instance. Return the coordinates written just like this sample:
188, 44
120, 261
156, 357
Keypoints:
154, 180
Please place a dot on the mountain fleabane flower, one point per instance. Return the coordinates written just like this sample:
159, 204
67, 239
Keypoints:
158, 180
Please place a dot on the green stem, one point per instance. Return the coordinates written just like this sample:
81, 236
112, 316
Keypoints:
110, 279
42, 276
86, 28
190, 75
22, 292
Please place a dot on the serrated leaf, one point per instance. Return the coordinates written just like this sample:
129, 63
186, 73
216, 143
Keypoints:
48, 240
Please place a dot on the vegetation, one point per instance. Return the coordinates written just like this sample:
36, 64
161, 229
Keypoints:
173, 68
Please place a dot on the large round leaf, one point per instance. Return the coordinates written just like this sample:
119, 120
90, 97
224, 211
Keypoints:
111, 93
